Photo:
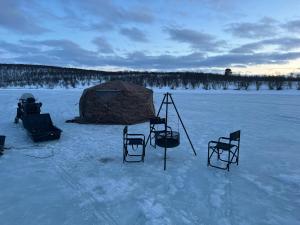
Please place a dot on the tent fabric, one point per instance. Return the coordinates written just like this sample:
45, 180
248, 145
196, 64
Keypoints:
116, 102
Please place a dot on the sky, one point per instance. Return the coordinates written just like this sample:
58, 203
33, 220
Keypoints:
250, 37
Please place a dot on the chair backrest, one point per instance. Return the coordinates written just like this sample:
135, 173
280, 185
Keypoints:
157, 120
235, 136
125, 131
2, 141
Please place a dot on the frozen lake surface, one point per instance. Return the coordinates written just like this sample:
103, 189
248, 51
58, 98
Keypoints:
85, 182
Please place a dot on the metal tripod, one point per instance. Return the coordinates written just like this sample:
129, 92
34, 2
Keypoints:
168, 100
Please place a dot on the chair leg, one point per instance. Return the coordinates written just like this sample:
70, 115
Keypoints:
228, 163
208, 159
151, 142
150, 138
143, 154
134, 158
234, 158
154, 145
218, 153
210, 153
124, 153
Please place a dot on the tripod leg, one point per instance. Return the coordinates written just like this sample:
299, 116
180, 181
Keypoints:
160, 107
165, 159
183, 125
166, 126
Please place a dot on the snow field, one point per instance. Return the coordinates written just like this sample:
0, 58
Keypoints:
85, 182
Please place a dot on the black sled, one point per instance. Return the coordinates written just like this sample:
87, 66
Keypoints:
39, 126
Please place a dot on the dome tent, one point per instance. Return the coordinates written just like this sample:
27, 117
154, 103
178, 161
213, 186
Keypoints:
116, 102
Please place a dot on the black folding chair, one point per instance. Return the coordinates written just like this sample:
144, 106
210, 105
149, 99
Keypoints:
225, 145
155, 121
134, 141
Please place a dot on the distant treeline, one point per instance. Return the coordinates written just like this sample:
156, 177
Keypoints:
22, 75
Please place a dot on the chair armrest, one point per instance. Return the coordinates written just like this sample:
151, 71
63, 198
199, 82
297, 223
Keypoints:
233, 145
169, 129
136, 135
213, 142
157, 120
224, 138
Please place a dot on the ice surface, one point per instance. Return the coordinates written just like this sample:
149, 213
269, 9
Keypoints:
85, 182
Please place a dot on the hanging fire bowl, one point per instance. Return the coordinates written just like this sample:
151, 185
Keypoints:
169, 139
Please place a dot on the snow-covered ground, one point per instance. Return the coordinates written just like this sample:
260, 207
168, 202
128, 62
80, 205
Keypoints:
85, 182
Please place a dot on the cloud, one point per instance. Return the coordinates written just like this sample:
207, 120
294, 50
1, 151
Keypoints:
107, 13
249, 59
17, 49
14, 17
168, 62
65, 52
281, 44
292, 26
100, 26
139, 60
266, 27
247, 48
102, 45
62, 52
134, 34
197, 40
